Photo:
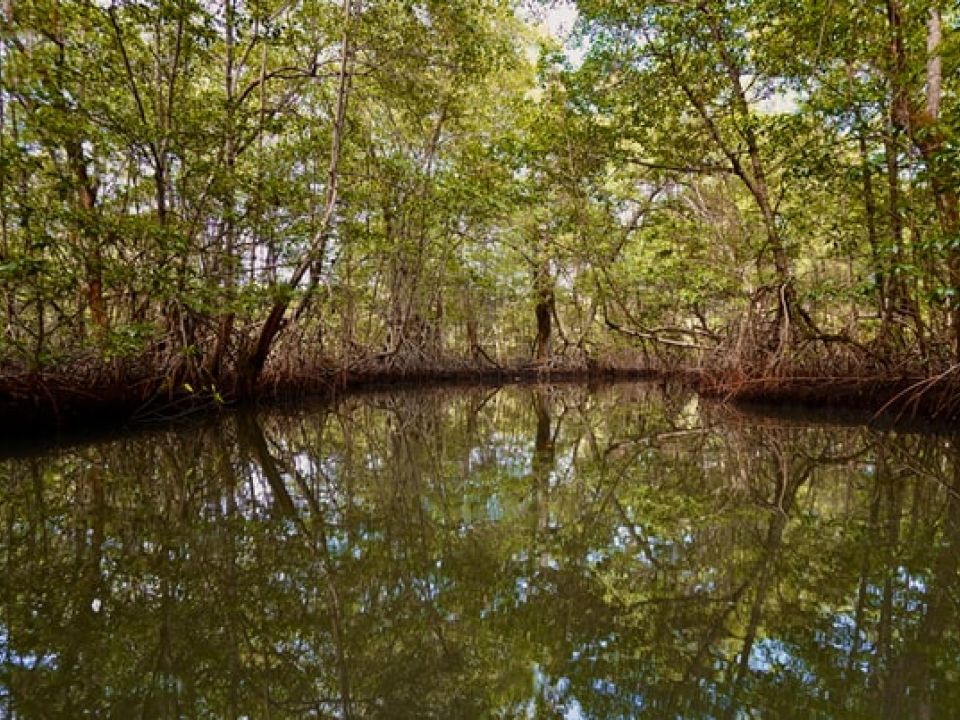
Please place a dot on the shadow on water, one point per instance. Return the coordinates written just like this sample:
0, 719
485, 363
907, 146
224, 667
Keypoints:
523, 552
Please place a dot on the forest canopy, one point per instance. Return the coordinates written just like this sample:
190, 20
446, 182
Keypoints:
220, 194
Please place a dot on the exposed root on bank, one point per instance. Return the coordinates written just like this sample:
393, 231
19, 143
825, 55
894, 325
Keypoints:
772, 355
777, 354
912, 396
833, 372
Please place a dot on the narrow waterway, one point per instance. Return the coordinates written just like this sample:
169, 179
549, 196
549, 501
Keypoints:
523, 552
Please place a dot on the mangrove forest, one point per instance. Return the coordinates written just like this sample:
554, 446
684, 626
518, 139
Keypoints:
213, 201
494, 359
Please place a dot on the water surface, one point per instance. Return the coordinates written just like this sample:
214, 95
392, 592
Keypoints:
527, 552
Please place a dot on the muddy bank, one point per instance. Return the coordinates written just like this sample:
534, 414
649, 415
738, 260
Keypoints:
38, 405
934, 398
43, 404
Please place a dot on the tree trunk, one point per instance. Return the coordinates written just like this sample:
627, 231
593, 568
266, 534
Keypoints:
922, 126
894, 287
544, 310
870, 213
227, 267
87, 203
756, 179
254, 362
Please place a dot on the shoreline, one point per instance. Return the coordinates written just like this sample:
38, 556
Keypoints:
33, 405
933, 399
44, 406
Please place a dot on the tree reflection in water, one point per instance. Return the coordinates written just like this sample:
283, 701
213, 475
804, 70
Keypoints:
548, 552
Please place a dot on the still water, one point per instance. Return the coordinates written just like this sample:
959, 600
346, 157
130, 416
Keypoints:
517, 553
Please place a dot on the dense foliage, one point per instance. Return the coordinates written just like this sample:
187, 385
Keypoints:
201, 193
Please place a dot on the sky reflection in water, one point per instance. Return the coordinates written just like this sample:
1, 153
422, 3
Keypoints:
548, 552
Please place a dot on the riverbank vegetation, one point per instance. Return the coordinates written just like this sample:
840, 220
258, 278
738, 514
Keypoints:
219, 199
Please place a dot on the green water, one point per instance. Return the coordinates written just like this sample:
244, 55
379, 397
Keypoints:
554, 552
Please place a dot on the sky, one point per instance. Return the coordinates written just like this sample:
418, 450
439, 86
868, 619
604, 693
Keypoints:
559, 19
